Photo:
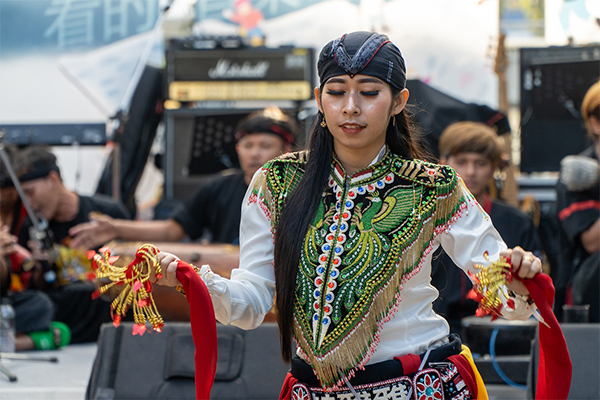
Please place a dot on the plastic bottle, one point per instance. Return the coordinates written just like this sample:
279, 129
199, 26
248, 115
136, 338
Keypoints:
7, 327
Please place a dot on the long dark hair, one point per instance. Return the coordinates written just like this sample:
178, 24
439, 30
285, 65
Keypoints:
302, 204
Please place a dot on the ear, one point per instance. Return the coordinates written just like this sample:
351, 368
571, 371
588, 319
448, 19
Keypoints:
443, 161
400, 101
595, 125
318, 98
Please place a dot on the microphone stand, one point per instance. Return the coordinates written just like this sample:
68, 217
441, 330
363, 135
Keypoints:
41, 235
121, 117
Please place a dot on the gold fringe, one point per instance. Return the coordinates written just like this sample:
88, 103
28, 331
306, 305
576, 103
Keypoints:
137, 289
360, 342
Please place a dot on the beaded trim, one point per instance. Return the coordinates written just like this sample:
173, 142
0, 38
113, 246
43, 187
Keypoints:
371, 233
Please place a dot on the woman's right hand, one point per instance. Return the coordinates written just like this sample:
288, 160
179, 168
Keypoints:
168, 264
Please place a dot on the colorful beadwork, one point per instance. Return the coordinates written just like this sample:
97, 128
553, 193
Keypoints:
455, 387
428, 385
370, 233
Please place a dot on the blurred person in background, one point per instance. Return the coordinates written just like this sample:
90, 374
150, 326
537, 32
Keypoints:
33, 309
62, 272
216, 206
474, 151
578, 206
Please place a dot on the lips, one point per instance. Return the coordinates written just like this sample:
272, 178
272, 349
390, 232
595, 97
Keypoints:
352, 127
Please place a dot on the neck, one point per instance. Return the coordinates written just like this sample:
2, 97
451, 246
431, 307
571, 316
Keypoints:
68, 206
248, 178
481, 198
353, 160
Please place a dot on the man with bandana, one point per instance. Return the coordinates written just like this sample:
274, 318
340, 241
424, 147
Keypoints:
63, 273
214, 209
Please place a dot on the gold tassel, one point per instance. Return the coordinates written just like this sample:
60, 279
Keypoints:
137, 291
487, 285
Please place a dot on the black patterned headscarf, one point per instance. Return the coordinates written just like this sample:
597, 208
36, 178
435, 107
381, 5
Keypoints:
366, 53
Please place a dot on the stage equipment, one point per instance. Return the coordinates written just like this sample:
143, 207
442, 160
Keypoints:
434, 111
213, 69
54, 134
161, 366
583, 342
554, 81
199, 143
135, 135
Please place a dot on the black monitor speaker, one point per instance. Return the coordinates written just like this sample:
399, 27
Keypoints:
199, 143
554, 81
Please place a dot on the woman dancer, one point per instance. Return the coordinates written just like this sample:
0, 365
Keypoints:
343, 235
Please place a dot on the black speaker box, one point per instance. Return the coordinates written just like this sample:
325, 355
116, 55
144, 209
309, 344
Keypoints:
199, 143
161, 366
583, 342
554, 81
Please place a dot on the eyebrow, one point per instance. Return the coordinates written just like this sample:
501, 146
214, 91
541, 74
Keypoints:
370, 80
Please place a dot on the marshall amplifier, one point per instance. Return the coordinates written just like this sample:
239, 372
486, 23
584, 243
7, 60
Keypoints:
244, 73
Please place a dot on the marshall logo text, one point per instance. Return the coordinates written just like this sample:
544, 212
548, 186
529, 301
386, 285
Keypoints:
225, 69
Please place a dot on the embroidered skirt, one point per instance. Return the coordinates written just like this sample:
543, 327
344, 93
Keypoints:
446, 375
427, 384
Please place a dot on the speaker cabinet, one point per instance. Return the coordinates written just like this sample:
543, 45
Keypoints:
554, 81
583, 342
199, 143
161, 366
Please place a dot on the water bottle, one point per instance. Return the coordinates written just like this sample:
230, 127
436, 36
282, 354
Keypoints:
7, 327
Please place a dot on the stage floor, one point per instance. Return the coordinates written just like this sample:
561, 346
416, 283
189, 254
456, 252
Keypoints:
68, 378
41, 380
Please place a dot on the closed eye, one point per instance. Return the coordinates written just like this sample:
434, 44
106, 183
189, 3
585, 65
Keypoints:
334, 92
370, 93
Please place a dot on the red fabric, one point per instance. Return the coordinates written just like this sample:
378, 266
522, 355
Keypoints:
487, 204
579, 206
286, 388
204, 328
466, 373
410, 363
555, 369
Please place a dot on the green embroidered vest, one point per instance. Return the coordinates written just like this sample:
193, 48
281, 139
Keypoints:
370, 234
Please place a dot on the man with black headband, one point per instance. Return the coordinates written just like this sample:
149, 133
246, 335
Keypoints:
215, 207
33, 309
48, 197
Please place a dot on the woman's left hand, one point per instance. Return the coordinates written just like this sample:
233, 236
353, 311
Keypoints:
525, 266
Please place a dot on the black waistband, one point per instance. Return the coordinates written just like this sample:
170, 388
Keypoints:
379, 371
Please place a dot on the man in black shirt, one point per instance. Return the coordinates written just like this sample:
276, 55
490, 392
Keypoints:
216, 206
473, 150
578, 205
61, 271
